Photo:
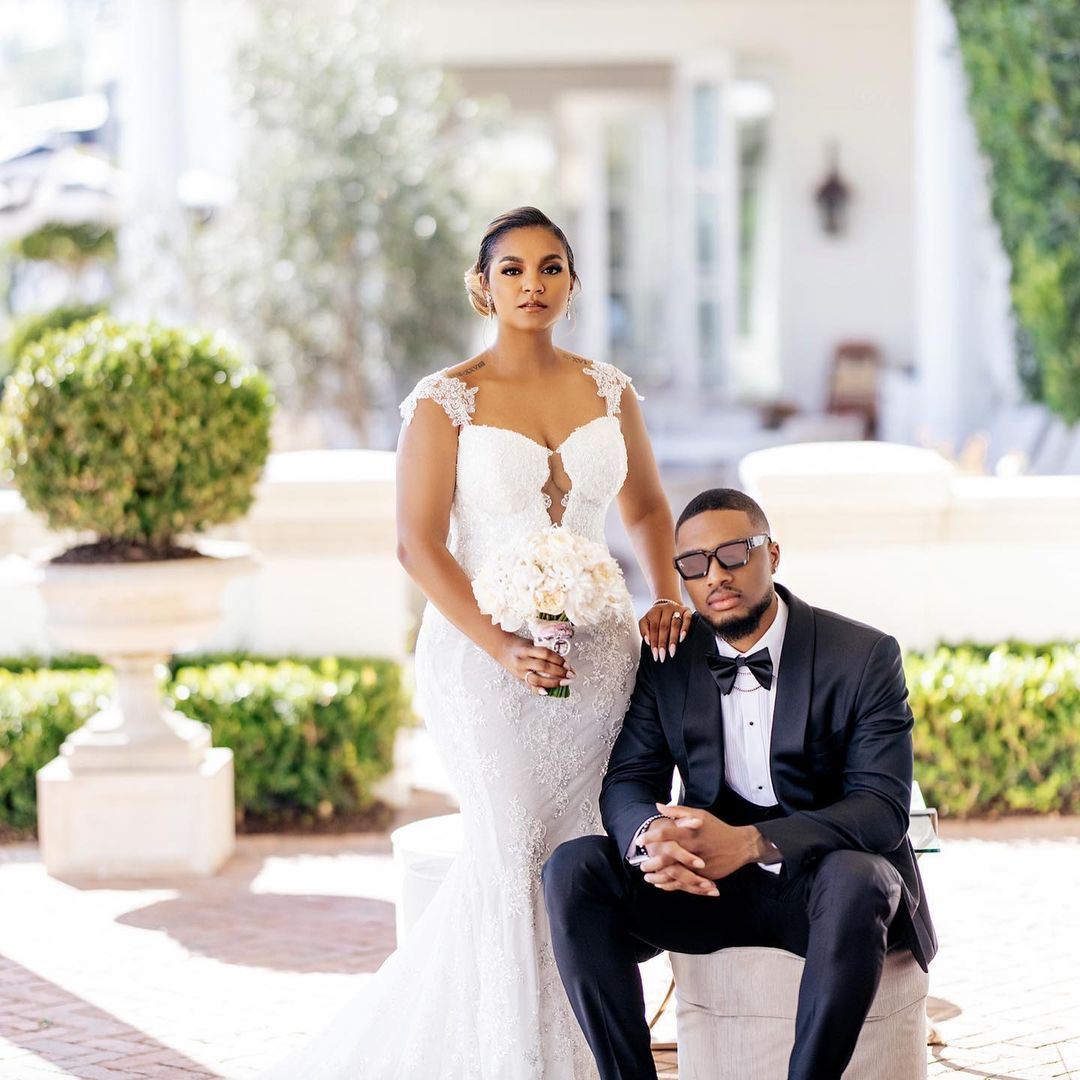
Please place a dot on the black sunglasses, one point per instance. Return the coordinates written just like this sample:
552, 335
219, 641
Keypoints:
730, 555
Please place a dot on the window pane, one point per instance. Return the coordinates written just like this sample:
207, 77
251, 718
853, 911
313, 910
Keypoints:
707, 229
706, 126
709, 331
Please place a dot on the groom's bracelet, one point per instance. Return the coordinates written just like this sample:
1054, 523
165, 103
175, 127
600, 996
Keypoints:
640, 854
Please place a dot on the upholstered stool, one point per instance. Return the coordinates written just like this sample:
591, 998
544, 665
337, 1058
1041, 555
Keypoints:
736, 1017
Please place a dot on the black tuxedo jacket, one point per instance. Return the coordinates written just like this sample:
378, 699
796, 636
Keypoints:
840, 757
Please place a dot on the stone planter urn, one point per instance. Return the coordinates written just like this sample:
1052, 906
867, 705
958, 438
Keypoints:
133, 438
138, 790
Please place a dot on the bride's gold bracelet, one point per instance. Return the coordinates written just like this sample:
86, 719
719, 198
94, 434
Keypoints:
664, 600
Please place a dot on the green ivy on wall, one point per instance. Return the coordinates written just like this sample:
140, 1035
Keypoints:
1023, 64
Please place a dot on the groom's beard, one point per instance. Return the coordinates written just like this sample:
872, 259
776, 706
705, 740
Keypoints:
743, 625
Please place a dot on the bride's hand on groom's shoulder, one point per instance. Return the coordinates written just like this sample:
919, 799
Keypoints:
690, 837
663, 626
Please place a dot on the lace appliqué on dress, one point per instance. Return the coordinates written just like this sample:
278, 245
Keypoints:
456, 397
610, 384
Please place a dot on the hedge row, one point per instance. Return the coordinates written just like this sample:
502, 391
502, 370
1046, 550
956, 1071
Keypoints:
997, 729
311, 737
38, 710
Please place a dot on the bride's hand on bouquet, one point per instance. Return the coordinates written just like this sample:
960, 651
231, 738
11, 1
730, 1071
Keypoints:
538, 668
663, 626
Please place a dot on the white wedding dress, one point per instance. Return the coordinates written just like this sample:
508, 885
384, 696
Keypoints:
474, 991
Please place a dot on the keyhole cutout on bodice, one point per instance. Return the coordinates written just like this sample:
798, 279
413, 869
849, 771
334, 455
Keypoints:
557, 488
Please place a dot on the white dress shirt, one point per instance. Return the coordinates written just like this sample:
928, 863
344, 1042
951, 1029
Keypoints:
747, 716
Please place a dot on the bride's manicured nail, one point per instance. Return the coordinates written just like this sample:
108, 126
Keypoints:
564, 682
655, 655
542, 690
682, 636
672, 650
663, 655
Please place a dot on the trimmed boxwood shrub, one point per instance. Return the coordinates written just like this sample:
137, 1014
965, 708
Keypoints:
137, 433
310, 737
31, 328
997, 729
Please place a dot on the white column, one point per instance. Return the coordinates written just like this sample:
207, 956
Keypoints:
963, 328
150, 99
151, 149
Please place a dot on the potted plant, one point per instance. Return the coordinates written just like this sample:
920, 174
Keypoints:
136, 438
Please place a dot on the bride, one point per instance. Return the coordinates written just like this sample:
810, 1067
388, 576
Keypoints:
522, 435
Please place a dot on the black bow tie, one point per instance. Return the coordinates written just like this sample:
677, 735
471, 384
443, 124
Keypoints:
724, 669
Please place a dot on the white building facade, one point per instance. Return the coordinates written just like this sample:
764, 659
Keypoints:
688, 140
682, 144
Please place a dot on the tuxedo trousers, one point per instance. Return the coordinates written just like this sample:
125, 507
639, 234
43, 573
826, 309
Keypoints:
606, 919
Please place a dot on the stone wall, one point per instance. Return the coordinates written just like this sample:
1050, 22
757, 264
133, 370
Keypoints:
895, 536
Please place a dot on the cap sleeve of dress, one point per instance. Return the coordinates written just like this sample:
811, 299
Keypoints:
458, 400
610, 384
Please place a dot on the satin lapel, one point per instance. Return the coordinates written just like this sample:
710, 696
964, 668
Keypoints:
787, 758
703, 729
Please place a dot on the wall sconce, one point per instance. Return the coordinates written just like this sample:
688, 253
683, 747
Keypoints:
833, 196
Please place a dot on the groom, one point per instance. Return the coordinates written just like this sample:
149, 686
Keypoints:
791, 731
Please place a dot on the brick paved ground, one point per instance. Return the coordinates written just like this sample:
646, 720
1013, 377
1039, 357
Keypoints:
217, 978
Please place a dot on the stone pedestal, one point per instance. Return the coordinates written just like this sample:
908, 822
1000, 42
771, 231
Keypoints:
138, 791
137, 823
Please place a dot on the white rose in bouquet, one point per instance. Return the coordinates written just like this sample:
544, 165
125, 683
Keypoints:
550, 581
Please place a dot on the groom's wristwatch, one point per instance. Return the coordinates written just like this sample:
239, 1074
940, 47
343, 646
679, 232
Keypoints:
638, 854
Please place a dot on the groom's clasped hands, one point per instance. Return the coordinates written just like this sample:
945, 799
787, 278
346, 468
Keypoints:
691, 849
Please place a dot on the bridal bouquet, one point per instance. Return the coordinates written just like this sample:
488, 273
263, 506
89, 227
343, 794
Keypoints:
550, 581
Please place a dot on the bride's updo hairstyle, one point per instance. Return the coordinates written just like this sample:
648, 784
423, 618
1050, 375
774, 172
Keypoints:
524, 217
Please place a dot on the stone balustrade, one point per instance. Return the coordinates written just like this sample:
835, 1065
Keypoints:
890, 534
328, 582
895, 536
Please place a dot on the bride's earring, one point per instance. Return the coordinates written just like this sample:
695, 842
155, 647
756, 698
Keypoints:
490, 306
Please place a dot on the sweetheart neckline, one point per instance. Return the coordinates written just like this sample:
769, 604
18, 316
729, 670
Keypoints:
539, 445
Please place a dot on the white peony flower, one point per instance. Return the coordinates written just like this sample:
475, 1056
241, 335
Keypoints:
550, 572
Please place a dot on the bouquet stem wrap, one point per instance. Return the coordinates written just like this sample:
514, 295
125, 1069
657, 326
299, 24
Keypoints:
554, 632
